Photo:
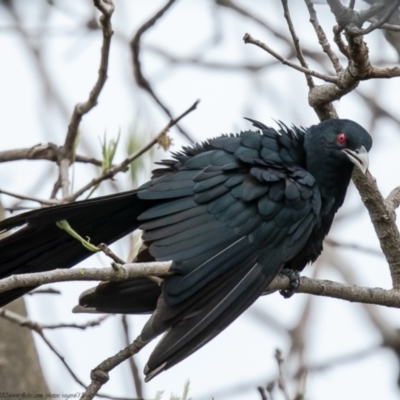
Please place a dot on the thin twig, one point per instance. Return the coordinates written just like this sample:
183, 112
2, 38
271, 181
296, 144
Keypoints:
137, 380
118, 262
124, 272
353, 246
352, 293
338, 360
47, 151
281, 379
106, 7
389, 27
262, 392
377, 23
213, 65
108, 252
322, 39
85, 325
296, 42
254, 17
337, 38
23, 197
393, 200
328, 78
137, 66
377, 109
100, 376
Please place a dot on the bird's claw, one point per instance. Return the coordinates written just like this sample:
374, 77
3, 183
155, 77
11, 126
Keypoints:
294, 277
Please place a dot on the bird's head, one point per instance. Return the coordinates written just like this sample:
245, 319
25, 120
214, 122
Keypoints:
332, 149
340, 143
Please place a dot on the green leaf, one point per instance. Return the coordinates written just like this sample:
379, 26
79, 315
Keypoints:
108, 150
159, 395
136, 143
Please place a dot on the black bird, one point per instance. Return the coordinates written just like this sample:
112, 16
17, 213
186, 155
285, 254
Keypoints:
231, 213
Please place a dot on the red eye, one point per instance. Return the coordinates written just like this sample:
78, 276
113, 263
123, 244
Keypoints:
341, 138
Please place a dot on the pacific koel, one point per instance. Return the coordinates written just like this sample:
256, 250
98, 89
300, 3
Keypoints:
230, 213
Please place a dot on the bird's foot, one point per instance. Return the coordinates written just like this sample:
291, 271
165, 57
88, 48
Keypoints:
294, 277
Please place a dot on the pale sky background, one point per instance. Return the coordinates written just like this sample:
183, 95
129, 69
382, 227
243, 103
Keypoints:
242, 356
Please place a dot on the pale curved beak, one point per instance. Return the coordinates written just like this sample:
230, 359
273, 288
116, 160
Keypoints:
358, 157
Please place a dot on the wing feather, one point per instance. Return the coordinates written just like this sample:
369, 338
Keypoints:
229, 215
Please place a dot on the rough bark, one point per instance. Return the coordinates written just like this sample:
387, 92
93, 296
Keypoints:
20, 370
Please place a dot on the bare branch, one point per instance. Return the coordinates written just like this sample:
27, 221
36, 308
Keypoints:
352, 246
245, 13
132, 362
337, 37
390, 27
339, 360
393, 200
322, 39
328, 78
108, 252
124, 272
106, 7
137, 66
281, 378
382, 72
47, 151
198, 62
384, 221
88, 324
299, 53
337, 8
352, 293
377, 23
30, 198
100, 376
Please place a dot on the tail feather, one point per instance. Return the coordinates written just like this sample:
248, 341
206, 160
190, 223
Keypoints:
42, 246
136, 296
198, 328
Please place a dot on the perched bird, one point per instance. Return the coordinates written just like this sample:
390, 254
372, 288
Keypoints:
230, 213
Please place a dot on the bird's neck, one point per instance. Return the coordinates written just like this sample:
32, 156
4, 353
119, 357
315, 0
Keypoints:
332, 180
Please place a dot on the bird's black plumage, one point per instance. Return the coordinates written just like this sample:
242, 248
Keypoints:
230, 213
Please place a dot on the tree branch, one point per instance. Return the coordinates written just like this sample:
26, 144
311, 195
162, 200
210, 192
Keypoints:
47, 151
106, 7
296, 42
100, 376
30, 198
322, 39
384, 220
137, 66
352, 293
123, 272
137, 379
328, 78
